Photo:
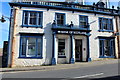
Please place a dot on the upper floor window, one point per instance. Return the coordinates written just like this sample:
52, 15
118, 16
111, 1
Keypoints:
32, 18
31, 46
60, 19
83, 21
105, 24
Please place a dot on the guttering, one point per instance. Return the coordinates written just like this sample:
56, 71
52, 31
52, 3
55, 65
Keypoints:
64, 8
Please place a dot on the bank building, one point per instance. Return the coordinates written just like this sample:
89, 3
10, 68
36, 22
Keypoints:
51, 33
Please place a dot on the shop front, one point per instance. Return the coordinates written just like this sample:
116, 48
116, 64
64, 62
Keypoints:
70, 46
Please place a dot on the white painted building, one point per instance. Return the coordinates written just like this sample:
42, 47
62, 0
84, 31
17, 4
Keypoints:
44, 33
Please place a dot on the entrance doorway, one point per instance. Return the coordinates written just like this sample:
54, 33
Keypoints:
61, 51
61, 48
78, 50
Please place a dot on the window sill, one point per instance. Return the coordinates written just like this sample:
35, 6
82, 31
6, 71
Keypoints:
84, 28
107, 57
31, 57
36, 26
61, 56
61, 26
105, 30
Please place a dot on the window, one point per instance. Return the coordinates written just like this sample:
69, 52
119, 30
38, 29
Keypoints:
105, 24
32, 18
111, 24
31, 46
83, 21
106, 48
61, 48
60, 18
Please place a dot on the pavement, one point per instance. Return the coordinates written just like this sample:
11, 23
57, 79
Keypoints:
61, 66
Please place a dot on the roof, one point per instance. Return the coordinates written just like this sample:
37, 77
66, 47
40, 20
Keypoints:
100, 3
71, 6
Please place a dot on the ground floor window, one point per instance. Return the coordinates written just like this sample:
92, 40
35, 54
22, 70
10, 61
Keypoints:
106, 47
31, 46
61, 48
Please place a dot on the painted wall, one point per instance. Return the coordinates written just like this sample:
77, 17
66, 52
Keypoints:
93, 38
48, 17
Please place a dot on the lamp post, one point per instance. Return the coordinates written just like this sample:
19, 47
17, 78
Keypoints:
3, 18
5, 46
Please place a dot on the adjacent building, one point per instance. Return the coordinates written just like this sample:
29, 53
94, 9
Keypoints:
49, 33
118, 34
118, 29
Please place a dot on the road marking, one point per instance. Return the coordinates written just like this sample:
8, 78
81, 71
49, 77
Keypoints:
90, 75
86, 76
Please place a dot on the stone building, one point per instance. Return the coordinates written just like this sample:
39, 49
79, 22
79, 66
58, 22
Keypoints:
44, 33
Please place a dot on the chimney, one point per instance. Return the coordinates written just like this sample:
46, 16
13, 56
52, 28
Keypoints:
106, 2
119, 4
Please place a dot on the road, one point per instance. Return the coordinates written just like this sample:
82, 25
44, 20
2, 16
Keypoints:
99, 71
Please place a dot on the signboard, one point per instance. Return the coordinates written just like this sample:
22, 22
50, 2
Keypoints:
71, 32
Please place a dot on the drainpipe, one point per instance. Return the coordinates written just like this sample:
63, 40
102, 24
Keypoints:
9, 40
11, 37
117, 30
119, 36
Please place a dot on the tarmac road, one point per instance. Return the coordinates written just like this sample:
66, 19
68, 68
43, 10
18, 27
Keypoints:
102, 72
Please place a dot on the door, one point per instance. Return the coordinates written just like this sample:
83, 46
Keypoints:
61, 48
4, 58
78, 50
61, 51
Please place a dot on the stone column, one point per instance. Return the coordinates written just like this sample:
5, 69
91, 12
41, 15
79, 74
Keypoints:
88, 49
72, 60
54, 53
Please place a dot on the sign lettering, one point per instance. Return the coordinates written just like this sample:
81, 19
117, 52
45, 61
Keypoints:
71, 32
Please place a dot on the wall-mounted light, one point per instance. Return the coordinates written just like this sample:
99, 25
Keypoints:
117, 34
2, 19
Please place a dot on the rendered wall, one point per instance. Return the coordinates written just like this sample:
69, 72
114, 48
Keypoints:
48, 17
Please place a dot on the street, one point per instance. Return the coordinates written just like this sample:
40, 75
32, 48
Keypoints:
101, 71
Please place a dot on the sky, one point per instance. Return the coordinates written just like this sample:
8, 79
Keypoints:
5, 10
4, 27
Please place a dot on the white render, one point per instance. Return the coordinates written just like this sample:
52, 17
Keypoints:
48, 17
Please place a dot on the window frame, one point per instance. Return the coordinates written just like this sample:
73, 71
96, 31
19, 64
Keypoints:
64, 22
28, 23
86, 21
62, 56
110, 28
112, 48
36, 47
